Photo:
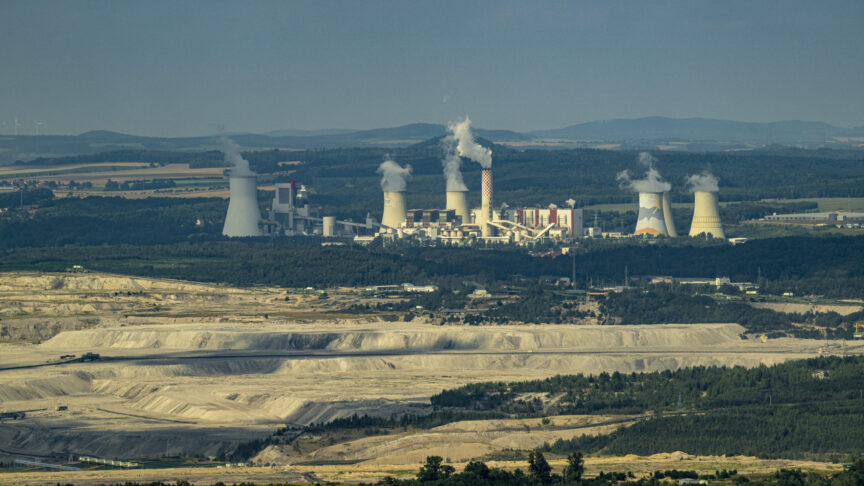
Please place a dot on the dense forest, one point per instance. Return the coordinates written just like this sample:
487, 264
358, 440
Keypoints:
140, 237
794, 409
539, 472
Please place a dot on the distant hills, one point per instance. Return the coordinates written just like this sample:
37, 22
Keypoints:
701, 129
693, 134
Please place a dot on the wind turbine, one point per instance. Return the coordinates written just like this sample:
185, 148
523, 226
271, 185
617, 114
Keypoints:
38, 124
16, 124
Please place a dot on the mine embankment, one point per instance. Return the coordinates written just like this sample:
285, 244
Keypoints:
204, 368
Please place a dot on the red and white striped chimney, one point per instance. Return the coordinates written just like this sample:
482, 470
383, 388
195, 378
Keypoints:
486, 202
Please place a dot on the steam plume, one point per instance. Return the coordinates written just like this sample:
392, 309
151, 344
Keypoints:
239, 165
652, 182
703, 182
393, 175
452, 165
466, 146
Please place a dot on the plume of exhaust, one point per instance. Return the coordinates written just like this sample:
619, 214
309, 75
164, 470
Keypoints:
705, 181
452, 165
652, 182
394, 177
466, 146
231, 151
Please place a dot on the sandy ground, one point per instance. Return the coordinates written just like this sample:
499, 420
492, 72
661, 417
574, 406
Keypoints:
355, 473
788, 307
189, 368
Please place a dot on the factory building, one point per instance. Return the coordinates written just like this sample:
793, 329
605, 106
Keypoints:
291, 215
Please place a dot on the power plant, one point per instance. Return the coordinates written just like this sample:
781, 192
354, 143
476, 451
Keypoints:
706, 215
292, 215
651, 220
458, 224
243, 217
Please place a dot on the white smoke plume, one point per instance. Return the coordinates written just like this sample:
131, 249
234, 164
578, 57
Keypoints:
393, 176
466, 146
239, 165
705, 181
652, 182
452, 165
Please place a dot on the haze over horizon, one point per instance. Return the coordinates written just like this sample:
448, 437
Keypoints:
197, 68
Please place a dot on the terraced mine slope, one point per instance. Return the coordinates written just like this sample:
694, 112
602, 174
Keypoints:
195, 369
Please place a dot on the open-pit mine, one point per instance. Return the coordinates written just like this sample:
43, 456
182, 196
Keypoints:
132, 368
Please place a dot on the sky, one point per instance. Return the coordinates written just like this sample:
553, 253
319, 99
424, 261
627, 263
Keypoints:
186, 67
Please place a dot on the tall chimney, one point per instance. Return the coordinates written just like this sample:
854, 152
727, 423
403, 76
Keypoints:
243, 213
394, 209
650, 220
458, 202
486, 202
706, 215
667, 216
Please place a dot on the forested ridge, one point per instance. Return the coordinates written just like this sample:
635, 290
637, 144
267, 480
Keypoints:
795, 409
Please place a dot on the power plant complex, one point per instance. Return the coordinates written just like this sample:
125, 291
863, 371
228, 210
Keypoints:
457, 224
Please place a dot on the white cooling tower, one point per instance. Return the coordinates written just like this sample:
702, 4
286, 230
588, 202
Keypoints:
243, 213
667, 216
458, 201
706, 215
394, 209
650, 220
328, 226
485, 203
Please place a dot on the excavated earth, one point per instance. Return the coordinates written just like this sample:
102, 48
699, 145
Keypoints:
195, 369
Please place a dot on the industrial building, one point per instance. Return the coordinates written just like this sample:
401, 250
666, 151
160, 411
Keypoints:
291, 215
847, 219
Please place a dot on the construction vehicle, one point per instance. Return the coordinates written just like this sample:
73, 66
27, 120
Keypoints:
859, 330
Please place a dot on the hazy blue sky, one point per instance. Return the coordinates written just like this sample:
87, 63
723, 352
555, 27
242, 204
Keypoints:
192, 67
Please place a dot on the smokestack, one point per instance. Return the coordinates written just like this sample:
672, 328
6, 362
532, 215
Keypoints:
651, 220
458, 201
243, 213
706, 215
486, 202
394, 209
667, 216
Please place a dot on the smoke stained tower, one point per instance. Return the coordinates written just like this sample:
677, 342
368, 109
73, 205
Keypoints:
667, 216
706, 215
650, 220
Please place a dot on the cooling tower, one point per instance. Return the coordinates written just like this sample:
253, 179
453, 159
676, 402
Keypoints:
650, 220
458, 201
667, 216
243, 213
394, 209
486, 202
328, 226
706, 215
